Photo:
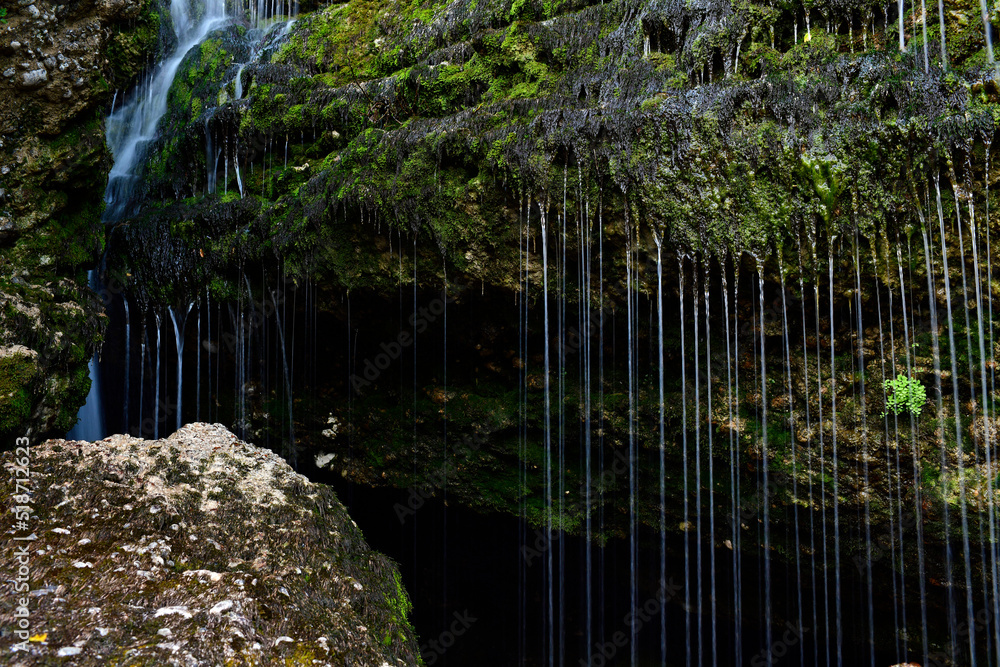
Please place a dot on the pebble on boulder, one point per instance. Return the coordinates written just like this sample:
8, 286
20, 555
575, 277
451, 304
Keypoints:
34, 78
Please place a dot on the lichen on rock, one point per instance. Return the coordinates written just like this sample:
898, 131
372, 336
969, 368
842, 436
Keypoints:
198, 549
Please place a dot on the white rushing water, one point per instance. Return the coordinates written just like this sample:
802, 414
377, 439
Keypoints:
90, 418
132, 127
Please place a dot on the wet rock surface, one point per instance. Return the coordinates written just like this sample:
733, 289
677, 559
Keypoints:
197, 549
60, 66
744, 142
53, 46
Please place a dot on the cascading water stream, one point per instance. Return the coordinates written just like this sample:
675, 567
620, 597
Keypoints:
684, 457
156, 381
697, 466
865, 448
128, 368
90, 418
788, 386
129, 131
133, 127
175, 315
805, 386
733, 474
658, 238
836, 471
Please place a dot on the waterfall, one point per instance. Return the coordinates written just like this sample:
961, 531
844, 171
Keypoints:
796, 458
902, 34
128, 368
658, 238
766, 501
711, 467
733, 476
130, 129
548, 430
865, 445
684, 450
211, 160
836, 470
156, 382
697, 461
944, 46
142, 371
133, 127
90, 418
197, 396
176, 313
792, 424
238, 83
631, 252
923, 25
586, 250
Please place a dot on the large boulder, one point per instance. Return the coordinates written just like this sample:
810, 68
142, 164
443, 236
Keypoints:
197, 549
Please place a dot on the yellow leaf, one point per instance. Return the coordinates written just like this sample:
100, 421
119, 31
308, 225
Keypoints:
807, 37
39, 638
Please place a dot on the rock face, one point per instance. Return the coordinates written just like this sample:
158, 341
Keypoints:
197, 549
719, 130
60, 65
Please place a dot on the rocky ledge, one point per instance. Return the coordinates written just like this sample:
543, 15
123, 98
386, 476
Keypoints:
194, 549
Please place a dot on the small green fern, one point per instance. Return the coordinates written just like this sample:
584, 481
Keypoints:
908, 395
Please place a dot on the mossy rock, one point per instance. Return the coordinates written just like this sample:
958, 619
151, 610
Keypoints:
196, 548
18, 385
